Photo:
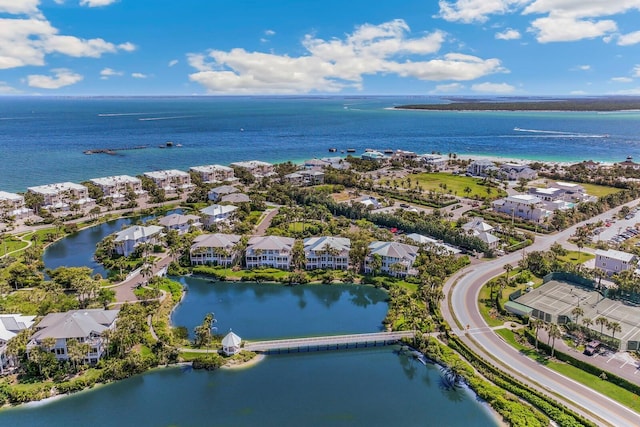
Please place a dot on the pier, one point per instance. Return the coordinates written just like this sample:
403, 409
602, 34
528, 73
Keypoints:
113, 151
332, 342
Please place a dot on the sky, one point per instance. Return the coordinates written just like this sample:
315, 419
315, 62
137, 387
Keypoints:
312, 47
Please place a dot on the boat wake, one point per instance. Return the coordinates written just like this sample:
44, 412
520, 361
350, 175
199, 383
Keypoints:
557, 133
122, 114
147, 119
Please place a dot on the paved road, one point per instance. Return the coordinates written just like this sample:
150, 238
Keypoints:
462, 304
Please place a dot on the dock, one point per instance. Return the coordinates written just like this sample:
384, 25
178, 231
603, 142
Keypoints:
113, 151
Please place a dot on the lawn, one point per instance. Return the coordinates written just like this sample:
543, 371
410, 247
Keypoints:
455, 183
576, 258
599, 190
10, 244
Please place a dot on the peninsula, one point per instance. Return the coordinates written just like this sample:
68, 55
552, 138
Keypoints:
605, 104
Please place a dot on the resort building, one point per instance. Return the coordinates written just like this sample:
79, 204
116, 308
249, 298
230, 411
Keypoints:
214, 173
62, 195
10, 326
231, 344
397, 258
327, 253
216, 214
171, 181
256, 168
481, 167
613, 262
127, 239
182, 223
215, 249
428, 242
12, 204
524, 206
85, 326
435, 162
269, 251
215, 194
116, 187
514, 172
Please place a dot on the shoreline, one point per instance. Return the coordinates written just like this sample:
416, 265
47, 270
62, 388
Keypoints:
259, 357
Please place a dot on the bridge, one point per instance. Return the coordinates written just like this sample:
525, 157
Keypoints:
332, 342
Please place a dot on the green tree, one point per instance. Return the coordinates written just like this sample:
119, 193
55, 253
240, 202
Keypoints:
602, 321
203, 331
577, 312
536, 324
554, 332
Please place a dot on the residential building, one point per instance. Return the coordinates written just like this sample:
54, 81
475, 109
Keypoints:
10, 326
215, 194
369, 202
514, 172
12, 204
269, 251
171, 181
216, 214
236, 198
480, 229
181, 223
327, 252
573, 192
524, 206
397, 258
333, 162
481, 167
404, 155
294, 179
62, 195
214, 173
305, 177
373, 155
256, 168
428, 242
629, 163
116, 187
215, 249
85, 326
613, 262
434, 161
128, 239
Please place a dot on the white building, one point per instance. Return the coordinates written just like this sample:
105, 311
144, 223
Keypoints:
525, 206
404, 155
12, 204
62, 195
116, 187
215, 249
327, 252
369, 202
182, 223
214, 173
397, 258
305, 177
613, 262
373, 155
216, 214
515, 171
85, 326
127, 239
10, 326
231, 344
215, 194
481, 167
269, 251
256, 168
428, 242
171, 180
434, 161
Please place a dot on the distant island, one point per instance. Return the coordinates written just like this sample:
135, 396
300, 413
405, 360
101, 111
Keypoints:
520, 104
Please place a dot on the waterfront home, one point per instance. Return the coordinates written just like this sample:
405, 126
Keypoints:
434, 162
524, 206
171, 180
182, 223
256, 168
294, 179
515, 171
374, 156
116, 187
269, 251
482, 167
629, 163
10, 326
12, 204
127, 239
396, 258
231, 344
216, 214
327, 252
613, 262
305, 177
235, 198
215, 249
85, 326
428, 242
326, 162
210, 174
404, 155
215, 194
63, 195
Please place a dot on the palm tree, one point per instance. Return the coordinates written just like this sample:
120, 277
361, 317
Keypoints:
508, 268
554, 333
587, 322
602, 321
614, 327
453, 374
536, 324
577, 312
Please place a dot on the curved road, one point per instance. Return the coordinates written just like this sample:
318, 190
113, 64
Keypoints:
461, 304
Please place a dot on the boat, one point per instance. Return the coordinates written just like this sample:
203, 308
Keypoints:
178, 145
333, 150
389, 151
351, 150
169, 144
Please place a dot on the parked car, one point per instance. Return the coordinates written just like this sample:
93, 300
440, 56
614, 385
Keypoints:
592, 348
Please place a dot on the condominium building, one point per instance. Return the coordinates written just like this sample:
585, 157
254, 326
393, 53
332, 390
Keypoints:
257, 168
214, 173
396, 258
171, 181
116, 187
327, 252
62, 195
269, 251
215, 249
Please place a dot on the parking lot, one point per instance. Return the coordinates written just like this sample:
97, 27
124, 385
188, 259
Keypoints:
617, 231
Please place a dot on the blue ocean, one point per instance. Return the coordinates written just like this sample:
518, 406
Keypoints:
42, 140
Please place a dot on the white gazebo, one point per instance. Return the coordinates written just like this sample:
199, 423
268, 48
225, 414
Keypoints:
231, 344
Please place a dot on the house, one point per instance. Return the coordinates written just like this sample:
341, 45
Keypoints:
62, 195
524, 206
171, 181
428, 242
215, 249
305, 177
116, 187
256, 168
85, 326
181, 223
373, 155
269, 251
404, 155
514, 172
10, 326
215, 214
481, 167
327, 252
235, 198
480, 229
294, 179
231, 344
215, 194
12, 204
629, 163
210, 174
434, 162
573, 192
397, 258
369, 202
127, 239
613, 262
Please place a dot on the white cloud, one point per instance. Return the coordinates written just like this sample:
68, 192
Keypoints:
621, 79
109, 72
509, 34
578, 92
448, 88
476, 10
20, 7
336, 64
269, 33
629, 39
127, 47
5, 89
583, 67
96, 3
62, 77
139, 76
493, 88
581, 8
636, 71
566, 29
173, 62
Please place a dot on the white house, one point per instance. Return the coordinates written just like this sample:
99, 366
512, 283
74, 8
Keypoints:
215, 249
85, 326
294, 178
235, 198
10, 326
214, 173
181, 223
480, 167
427, 242
373, 155
231, 344
525, 206
613, 262
12, 204
215, 214
327, 252
404, 155
127, 239
269, 251
434, 161
116, 187
62, 195
305, 177
369, 202
397, 258
171, 180
515, 171
215, 194
256, 168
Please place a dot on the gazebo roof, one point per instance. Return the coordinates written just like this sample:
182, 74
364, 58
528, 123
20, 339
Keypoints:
231, 340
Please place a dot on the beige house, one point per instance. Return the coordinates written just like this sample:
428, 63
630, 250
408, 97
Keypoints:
171, 181
214, 173
12, 204
257, 168
116, 187
10, 326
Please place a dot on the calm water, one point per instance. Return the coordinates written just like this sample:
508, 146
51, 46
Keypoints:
42, 139
375, 387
